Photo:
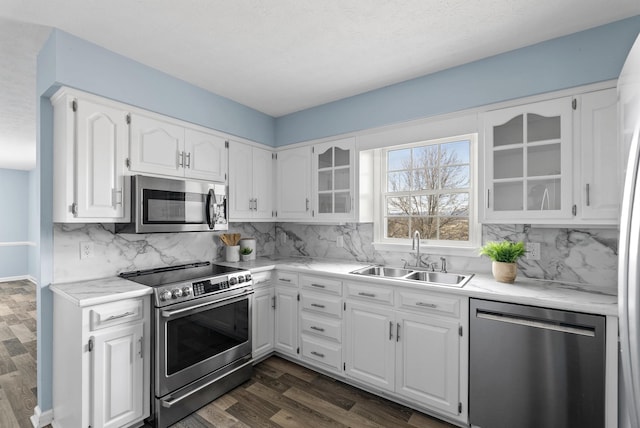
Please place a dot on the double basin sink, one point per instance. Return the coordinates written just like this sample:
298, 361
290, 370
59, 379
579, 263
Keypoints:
415, 275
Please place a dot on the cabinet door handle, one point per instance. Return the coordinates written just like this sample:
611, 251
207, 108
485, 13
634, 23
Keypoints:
488, 197
366, 294
426, 305
273, 304
181, 159
313, 327
284, 279
255, 204
140, 341
318, 285
588, 196
114, 197
317, 354
307, 204
390, 330
115, 317
316, 305
188, 160
398, 332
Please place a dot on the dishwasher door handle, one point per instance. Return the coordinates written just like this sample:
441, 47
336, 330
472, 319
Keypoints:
536, 323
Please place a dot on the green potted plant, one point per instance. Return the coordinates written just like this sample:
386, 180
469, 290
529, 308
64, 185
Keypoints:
504, 255
245, 253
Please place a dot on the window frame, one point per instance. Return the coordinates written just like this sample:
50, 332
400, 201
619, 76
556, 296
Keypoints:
444, 247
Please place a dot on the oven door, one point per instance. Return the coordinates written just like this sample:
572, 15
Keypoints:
198, 337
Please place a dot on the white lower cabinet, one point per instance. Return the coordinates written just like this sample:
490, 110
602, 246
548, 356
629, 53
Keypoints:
100, 363
427, 361
263, 318
370, 344
409, 343
321, 322
286, 320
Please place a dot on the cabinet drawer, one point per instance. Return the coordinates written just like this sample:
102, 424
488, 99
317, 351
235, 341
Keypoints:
261, 279
287, 278
322, 304
323, 285
325, 327
370, 293
427, 302
115, 313
317, 350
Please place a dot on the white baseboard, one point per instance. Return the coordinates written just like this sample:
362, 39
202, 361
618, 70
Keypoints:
18, 278
41, 419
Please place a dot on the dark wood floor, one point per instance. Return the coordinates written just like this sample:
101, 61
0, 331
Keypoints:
280, 393
17, 353
284, 394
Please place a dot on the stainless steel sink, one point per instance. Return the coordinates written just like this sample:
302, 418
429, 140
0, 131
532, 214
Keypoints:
415, 275
438, 277
389, 272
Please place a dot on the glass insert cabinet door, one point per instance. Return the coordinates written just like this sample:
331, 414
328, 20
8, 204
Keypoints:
528, 162
334, 175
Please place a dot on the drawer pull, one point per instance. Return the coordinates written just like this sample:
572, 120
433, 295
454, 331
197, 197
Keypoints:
318, 285
313, 327
316, 305
366, 294
115, 317
426, 305
284, 279
317, 354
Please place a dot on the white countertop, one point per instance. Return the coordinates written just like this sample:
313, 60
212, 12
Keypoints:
97, 291
555, 295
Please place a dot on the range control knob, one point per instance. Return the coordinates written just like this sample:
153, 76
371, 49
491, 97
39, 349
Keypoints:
186, 291
248, 277
240, 278
233, 280
165, 295
175, 293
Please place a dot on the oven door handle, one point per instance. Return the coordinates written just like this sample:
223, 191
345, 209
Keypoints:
214, 304
169, 403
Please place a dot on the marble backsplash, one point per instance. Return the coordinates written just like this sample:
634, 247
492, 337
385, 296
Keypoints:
121, 252
585, 256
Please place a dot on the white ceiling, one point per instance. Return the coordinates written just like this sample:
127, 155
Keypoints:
282, 56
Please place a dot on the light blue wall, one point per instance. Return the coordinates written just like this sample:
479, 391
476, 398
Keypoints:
14, 206
587, 57
34, 223
83, 65
14, 225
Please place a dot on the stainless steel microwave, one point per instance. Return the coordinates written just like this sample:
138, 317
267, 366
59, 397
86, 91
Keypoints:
170, 205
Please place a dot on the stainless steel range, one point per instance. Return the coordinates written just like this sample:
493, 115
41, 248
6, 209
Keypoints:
201, 338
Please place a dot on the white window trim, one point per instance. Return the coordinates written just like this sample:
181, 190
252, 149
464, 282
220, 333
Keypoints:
450, 248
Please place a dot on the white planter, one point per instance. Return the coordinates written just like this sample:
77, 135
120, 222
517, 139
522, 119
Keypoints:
232, 253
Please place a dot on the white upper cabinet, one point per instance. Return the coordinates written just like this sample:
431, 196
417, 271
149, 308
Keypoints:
250, 182
294, 183
156, 146
334, 180
90, 150
599, 175
528, 163
205, 156
165, 147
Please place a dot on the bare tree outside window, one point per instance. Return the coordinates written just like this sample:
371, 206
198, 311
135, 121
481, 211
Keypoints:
428, 190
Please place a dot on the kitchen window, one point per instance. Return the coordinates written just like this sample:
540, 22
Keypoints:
430, 187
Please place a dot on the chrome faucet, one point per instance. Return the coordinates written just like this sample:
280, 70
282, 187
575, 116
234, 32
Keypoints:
416, 236
443, 267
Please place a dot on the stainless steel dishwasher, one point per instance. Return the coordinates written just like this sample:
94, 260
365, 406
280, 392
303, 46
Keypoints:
535, 367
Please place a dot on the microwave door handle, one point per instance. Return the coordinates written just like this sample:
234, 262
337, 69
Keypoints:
210, 211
